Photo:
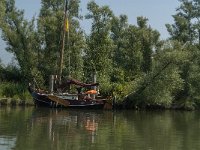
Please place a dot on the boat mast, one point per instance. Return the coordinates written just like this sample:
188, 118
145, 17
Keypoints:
65, 29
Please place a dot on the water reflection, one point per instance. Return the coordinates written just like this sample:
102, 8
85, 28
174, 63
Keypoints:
68, 128
7, 142
56, 129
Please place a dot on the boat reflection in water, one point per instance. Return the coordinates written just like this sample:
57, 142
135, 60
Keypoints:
68, 128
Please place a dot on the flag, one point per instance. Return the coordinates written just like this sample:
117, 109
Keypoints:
67, 25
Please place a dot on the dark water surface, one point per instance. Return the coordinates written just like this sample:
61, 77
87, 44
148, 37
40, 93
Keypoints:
53, 129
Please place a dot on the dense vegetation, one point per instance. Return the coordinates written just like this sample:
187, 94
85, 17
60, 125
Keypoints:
131, 61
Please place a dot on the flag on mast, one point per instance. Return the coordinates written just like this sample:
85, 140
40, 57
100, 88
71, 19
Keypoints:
67, 25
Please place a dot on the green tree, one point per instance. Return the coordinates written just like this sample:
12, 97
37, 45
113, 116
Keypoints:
127, 55
133, 52
37, 48
133, 45
98, 54
160, 86
50, 27
118, 35
149, 39
183, 28
20, 37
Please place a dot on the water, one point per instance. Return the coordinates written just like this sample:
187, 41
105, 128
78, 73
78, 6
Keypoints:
53, 129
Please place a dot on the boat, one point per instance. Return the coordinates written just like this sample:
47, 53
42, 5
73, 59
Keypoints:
89, 99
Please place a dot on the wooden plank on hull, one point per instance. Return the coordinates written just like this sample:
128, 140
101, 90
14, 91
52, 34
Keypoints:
59, 100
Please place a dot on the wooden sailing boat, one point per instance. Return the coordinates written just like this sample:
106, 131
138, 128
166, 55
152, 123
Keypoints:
88, 99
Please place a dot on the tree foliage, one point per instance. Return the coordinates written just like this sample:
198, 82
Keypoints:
50, 27
186, 31
131, 61
20, 37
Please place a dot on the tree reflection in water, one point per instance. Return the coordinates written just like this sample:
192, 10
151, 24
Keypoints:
75, 126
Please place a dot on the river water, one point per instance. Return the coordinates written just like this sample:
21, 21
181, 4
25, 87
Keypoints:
55, 129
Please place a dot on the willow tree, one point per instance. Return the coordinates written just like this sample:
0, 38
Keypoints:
149, 39
159, 87
185, 30
133, 45
99, 44
50, 28
20, 37
118, 35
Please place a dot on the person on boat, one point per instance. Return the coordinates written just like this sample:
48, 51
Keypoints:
83, 95
80, 93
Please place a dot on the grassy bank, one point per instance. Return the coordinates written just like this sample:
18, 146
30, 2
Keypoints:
15, 102
14, 94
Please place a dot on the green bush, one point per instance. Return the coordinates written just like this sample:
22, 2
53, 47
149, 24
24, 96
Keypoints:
4, 101
14, 90
9, 90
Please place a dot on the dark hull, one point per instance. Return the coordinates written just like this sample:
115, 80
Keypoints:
42, 100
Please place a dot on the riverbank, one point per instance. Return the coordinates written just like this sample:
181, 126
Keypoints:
125, 105
128, 104
15, 102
